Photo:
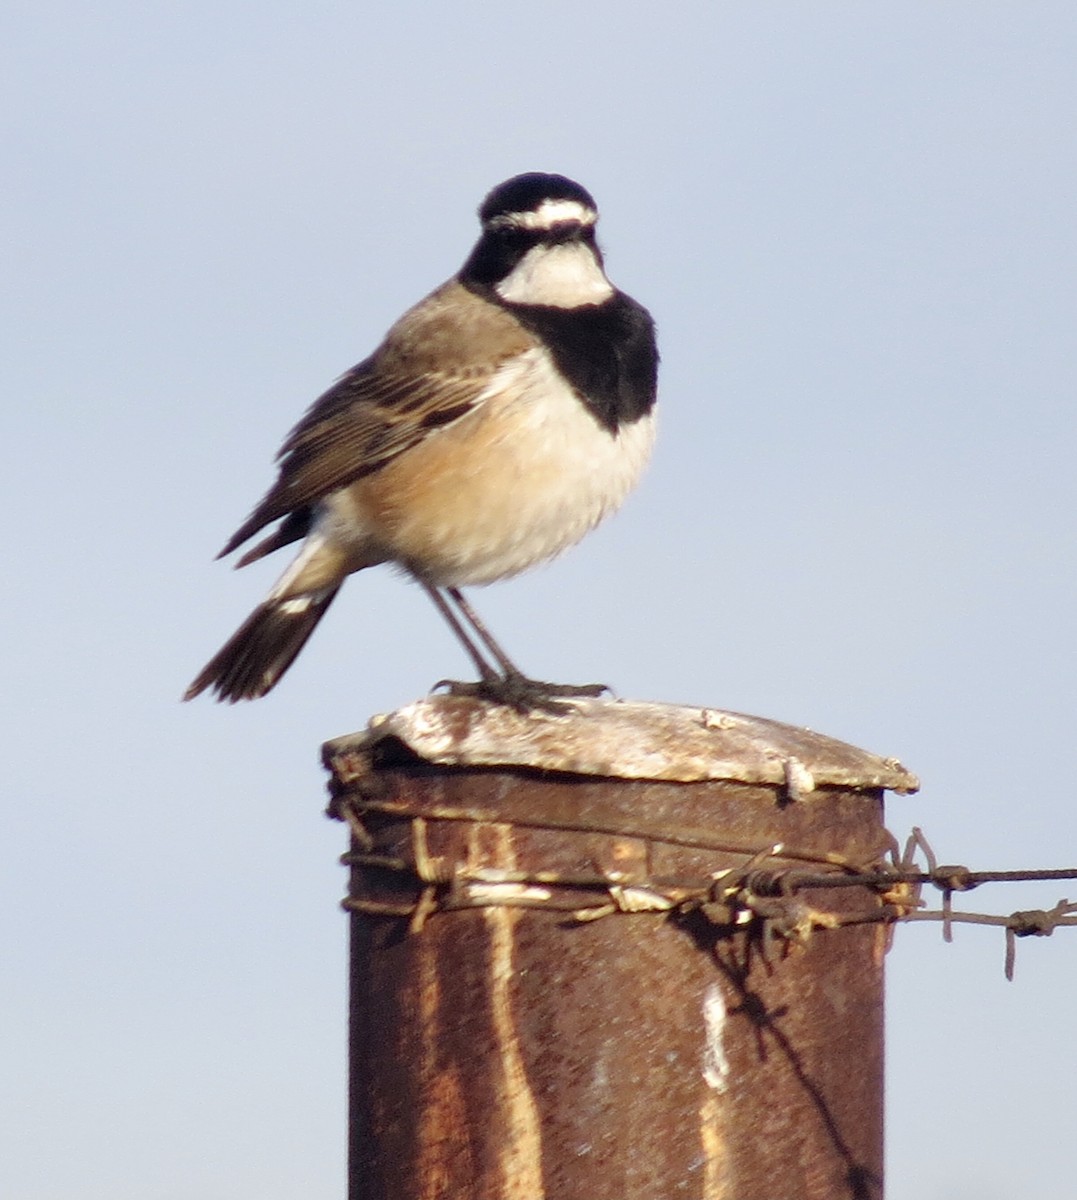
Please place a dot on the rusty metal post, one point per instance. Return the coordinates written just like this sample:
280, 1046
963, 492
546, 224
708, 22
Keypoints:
559, 990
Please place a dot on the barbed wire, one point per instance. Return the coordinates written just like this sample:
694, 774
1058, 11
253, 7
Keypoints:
903, 875
767, 899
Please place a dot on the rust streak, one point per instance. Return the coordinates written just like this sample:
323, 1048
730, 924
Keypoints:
443, 1156
715, 1154
521, 1154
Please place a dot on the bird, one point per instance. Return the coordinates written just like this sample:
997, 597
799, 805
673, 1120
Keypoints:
501, 419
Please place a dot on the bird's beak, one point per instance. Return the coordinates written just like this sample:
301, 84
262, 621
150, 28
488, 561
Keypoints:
565, 231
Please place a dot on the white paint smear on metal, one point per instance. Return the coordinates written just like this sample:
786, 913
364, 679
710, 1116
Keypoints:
715, 1062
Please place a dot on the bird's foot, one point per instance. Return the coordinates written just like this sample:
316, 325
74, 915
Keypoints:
522, 694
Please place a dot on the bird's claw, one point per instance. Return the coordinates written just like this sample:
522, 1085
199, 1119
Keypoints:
523, 694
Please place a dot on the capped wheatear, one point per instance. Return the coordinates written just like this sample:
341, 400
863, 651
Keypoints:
501, 419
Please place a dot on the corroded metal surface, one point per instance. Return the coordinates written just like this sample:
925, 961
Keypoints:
506, 1053
627, 741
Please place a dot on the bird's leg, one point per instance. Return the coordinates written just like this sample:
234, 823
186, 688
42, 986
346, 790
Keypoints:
512, 686
508, 667
487, 674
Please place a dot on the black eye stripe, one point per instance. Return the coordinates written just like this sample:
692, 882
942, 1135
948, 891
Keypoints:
513, 235
503, 245
523, 239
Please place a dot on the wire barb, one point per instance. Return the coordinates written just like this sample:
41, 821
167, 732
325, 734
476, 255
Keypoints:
765, 893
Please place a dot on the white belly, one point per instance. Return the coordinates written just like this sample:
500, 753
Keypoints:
522, 478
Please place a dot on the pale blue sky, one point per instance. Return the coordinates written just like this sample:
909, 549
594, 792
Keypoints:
854, 224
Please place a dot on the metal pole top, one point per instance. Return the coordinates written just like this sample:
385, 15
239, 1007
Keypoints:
614, 739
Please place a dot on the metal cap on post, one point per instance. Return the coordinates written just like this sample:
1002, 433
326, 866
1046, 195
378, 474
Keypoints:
579, 970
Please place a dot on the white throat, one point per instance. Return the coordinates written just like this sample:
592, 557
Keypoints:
566, 275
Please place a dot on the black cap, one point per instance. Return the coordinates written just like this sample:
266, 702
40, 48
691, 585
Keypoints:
524, 193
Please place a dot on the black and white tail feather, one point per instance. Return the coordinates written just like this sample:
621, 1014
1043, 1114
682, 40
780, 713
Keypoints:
254, 658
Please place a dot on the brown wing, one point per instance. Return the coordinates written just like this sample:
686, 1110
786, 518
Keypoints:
430, 371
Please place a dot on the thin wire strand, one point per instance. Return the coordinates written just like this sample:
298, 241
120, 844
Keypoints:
751, 893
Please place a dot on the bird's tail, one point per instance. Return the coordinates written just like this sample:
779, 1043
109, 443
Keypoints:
254, 658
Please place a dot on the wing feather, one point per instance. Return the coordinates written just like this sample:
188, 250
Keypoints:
425, 376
